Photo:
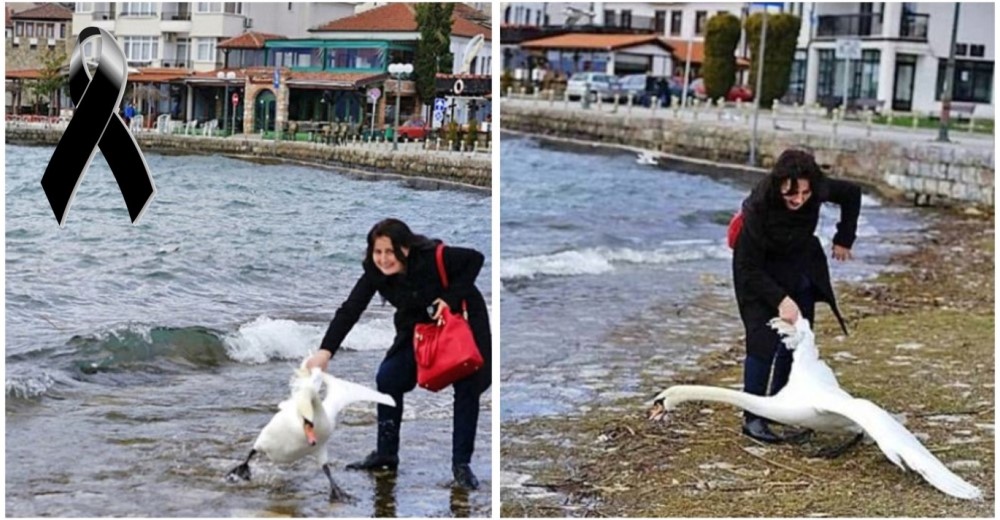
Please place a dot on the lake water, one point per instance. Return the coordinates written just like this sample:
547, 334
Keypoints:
141, 361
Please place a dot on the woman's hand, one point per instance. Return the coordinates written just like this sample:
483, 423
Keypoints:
841, 253
319, 360
788, 310
439, 311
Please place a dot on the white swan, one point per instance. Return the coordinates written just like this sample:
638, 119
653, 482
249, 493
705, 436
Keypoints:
647, 158
304, 423
813, 399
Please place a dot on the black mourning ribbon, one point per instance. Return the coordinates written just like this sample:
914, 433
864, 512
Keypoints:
96, 124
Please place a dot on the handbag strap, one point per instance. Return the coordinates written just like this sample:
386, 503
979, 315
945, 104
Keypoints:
439, 257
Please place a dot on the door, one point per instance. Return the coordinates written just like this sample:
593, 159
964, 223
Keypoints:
264, 110
902, 89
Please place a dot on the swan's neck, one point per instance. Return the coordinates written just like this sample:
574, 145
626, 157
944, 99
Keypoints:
752, 403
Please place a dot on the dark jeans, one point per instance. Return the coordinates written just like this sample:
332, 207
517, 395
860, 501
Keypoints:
397, 375
757, 370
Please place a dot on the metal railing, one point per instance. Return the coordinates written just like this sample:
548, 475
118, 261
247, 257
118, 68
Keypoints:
869, 24
174, 15
913, 26
104, 15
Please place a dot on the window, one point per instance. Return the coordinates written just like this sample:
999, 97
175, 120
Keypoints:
205, 49
50, 30
364, 58
84, 7
626, 19
660, 22
961, 49
142, 49
609, 18
233, 7
62, 31
973, 81
863, 81
700, 17
19, 29
977, 51
138, 9
675, 23
797, 78
208, 7
30, 30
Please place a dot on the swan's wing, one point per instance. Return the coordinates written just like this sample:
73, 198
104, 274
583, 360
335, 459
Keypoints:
899, 445
340, 393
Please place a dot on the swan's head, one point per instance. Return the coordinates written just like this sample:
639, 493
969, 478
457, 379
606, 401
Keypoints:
306, 394
663, 404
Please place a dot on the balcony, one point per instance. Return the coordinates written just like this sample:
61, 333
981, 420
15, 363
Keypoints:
856, 25
175, 15
104, 15
177, 63
913, 26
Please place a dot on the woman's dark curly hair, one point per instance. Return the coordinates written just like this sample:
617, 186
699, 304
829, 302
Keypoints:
400, 235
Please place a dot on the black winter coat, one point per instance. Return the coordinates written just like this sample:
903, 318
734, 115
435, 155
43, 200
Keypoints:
777, 246
412, 292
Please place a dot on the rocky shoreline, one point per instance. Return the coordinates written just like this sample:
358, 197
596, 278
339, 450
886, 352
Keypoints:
922, 345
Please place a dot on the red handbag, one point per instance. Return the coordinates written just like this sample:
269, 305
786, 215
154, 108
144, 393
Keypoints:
446, 351
735, 226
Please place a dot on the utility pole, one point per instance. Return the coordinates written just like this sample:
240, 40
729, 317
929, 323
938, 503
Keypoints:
757, 92
949, 80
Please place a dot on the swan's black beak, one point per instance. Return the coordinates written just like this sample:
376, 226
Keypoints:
310, 433
658, 412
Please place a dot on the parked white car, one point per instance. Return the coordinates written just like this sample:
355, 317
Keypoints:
593, 84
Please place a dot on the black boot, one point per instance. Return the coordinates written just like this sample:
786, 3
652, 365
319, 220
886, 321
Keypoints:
464, 478
386, 457
757, 428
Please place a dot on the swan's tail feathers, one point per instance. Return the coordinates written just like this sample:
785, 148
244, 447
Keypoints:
340, 393
902, 447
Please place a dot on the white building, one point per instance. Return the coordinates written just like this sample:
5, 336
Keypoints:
185, 34
904, 50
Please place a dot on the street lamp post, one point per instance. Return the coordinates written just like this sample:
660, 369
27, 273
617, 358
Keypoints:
226, 77
949, 80
398, 70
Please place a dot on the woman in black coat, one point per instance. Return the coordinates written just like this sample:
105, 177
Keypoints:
401, 267
779, 267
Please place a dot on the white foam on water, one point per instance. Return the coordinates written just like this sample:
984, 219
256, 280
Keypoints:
600, 260
266, 339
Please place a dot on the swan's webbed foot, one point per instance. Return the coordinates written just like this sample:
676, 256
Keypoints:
336, 494
836, 451
241, 472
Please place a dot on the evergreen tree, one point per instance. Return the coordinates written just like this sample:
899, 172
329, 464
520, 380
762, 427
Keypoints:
722, 35
779, 53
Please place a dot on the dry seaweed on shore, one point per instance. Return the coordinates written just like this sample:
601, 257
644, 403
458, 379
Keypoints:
922, 345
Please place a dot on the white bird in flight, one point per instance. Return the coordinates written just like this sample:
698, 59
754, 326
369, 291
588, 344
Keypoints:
813, 399
304, 423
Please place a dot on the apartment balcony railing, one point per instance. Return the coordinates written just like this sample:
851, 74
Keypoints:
177, 64
858, 25
914, 26
175, 16
634, 23
104, 15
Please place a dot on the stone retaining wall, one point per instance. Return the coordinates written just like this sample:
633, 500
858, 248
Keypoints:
461, 168
922, 171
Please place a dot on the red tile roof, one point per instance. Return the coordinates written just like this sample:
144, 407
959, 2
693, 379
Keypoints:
23, 74
249, 40
605, 42
157, 75
697, 52
398, 17
292, 77
45, 12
